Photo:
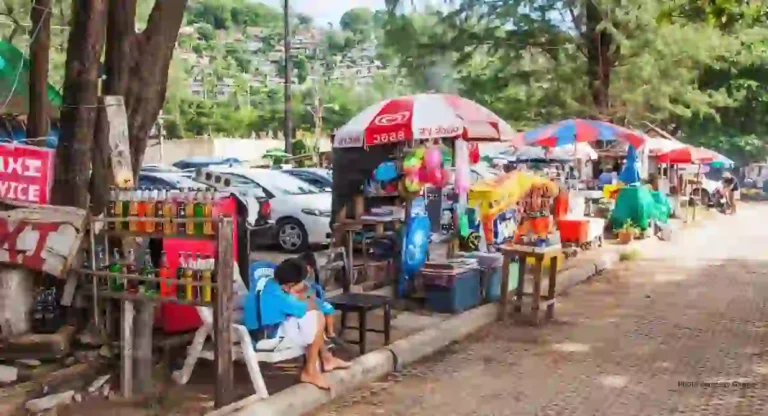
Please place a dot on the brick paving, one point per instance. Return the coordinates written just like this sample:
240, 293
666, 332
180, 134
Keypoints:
681, 331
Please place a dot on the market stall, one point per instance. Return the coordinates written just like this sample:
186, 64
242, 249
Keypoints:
393, 167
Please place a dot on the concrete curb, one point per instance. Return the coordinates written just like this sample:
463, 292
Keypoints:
303, 398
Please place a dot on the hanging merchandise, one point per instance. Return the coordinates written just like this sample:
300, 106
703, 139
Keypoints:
474, 153
462, 181
386, 172
415, 246
433, 158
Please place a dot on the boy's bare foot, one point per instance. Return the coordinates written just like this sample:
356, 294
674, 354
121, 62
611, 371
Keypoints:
316, 380
333, 363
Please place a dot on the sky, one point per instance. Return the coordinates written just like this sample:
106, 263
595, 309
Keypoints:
327, 11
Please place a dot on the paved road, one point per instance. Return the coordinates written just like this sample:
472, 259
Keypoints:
642, 340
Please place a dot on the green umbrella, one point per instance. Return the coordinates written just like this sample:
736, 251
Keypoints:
14, 83
275, 154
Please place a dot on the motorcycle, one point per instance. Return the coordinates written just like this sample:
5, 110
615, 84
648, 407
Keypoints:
719, 201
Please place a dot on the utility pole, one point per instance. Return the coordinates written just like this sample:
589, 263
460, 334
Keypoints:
288, 122
37, 119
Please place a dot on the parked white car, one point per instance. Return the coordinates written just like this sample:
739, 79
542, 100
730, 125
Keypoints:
301, 212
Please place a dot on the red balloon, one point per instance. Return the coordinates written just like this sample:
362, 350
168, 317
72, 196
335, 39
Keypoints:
423, 175
436, 177
474, 153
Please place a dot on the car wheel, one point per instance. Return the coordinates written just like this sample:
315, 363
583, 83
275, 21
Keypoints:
292, 236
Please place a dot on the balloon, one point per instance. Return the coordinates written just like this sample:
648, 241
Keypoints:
435, 176
433, 157
412, 184
474, 153
386, 172
423, 175
411, 162
419, 152
444, 179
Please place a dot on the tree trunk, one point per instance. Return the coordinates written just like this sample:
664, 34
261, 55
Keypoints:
78, 115
37, 120
148, 82
118, 59
599, 58
136, 67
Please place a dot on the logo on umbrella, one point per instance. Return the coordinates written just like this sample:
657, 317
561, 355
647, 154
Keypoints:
391, 119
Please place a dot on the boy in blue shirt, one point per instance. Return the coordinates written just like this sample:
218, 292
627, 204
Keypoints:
287, 303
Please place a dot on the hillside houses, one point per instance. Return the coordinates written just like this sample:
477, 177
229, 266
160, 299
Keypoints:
265, 53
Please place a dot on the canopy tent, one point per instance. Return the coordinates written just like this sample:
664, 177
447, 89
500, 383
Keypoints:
657, 146
422, 116
688, 155
582, 151
14, 84
572, 131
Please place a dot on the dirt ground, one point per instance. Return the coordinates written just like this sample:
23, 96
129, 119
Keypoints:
680, 331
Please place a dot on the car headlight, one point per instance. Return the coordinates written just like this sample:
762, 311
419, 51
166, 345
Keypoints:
316, 212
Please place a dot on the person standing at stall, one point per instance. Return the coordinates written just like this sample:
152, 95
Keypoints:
730, 187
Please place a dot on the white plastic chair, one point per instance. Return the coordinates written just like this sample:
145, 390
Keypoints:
243, 348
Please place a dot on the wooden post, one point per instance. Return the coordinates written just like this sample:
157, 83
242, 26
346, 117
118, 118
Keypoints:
504, 286
37, 120
142, 382
126, 343
222, 316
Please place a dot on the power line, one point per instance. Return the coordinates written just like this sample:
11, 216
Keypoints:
21, 66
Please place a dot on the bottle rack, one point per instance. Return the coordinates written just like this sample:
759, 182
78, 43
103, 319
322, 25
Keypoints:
220, 295
99, 279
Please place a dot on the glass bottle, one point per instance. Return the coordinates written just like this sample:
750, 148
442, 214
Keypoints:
116, 282
181, 291
148, 270
130, 268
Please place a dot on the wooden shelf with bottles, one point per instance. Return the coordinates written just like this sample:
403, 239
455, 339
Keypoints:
209, 283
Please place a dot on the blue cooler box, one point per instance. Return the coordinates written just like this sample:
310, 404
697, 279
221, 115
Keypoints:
452, 292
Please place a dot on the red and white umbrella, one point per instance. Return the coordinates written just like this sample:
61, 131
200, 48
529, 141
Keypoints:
423, 116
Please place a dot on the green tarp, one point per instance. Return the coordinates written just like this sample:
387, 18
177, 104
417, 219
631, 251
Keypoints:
14, 83
638, 204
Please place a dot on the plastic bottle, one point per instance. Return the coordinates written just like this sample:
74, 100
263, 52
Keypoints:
190, 211
206, 277
199, 212
149, 210
208, 213
162, 194
169, 213
189, 273
197, 277
181, 213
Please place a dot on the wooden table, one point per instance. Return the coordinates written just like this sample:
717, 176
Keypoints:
522, 253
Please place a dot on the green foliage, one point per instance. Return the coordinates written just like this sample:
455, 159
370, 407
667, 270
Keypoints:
696, 68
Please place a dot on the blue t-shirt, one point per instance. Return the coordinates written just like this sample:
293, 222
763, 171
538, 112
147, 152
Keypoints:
323, 306
276, 305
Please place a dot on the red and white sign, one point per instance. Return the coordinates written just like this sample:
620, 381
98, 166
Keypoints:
422, 116
26, 173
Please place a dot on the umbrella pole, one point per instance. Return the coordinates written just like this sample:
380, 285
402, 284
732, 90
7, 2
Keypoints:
698, 173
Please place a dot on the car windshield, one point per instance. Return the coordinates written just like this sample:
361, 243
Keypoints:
283, 183
181, 182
